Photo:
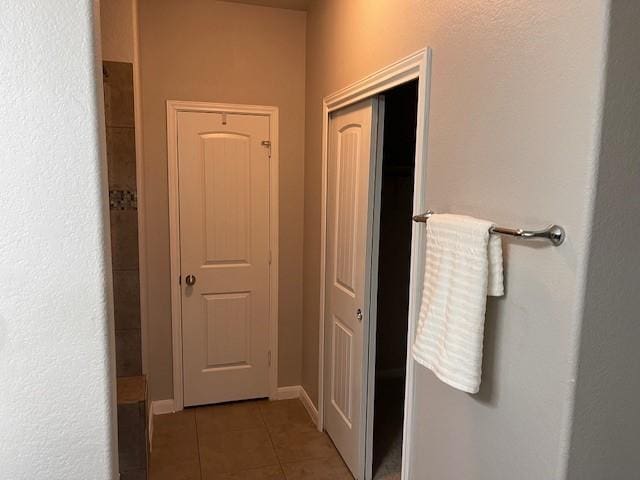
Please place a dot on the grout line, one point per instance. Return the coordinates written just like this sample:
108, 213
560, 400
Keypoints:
195, 421
273, 445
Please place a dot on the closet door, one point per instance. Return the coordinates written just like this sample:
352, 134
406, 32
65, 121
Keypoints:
351, 155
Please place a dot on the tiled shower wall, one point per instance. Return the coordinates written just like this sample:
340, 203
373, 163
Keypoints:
121, 159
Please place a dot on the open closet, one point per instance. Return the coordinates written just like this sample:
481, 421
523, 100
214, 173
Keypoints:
370, 199
394, 259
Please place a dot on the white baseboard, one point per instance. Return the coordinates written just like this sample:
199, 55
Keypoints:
297, 391
287, 393
308, 404
160, 407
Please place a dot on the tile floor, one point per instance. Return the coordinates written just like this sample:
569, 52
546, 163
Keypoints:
256, 440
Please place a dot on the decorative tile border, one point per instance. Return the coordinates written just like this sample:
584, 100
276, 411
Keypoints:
123, 200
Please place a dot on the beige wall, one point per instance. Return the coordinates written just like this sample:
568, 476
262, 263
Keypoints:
514, 120
117, 30
222, 52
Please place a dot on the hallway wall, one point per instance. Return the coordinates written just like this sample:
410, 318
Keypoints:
232, 53
514, 125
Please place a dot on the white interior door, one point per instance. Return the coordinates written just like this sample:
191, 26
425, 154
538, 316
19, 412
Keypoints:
351, 154
224, 254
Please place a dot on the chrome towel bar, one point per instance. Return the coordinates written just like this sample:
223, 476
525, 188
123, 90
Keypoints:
554, 233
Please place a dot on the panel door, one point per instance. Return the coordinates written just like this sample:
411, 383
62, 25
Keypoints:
351, 154
224, 250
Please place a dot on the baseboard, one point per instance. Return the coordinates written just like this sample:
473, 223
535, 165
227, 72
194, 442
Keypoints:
160, 407
308, 404
287, 393
298, 391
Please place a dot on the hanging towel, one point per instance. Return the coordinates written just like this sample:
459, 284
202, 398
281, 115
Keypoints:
463, 265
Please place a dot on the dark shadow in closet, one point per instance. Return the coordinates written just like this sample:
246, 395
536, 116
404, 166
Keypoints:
398, 162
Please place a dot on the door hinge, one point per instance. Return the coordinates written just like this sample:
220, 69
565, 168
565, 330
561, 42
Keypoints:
269, 357
270, 257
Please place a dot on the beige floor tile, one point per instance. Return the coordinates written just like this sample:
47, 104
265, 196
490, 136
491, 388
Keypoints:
284, 412
327, 469
229, 417
243, 441
175, 430
235, 451
172, 469
267, 473
175, 447
296, 442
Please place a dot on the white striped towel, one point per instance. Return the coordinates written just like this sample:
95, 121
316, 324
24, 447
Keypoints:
463, 266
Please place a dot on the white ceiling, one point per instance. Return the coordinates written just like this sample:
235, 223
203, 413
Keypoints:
290, 4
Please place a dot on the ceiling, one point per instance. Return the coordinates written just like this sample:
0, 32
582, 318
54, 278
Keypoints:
290, 4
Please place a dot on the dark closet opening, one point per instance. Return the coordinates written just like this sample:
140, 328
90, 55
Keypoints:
398, 162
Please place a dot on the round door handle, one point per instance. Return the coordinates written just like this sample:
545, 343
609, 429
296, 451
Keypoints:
190, 280
359, 315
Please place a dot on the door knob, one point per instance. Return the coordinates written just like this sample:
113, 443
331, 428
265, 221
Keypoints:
190, 280
359, 315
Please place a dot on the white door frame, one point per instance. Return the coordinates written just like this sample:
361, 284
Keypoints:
415, 66
173, 108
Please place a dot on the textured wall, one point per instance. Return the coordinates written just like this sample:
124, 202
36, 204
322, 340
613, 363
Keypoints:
514, 122
231, 53
57, 377
607, 418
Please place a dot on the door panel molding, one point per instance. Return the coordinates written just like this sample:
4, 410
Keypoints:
174, 107
415, 66
342, 361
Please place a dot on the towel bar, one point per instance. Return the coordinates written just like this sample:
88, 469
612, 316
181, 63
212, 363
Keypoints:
554, 233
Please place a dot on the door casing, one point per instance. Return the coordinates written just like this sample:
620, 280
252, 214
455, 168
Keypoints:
415, 66
173, 108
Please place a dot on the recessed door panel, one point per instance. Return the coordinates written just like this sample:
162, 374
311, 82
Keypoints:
227, 183
228, 318
346, 205
342, 371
